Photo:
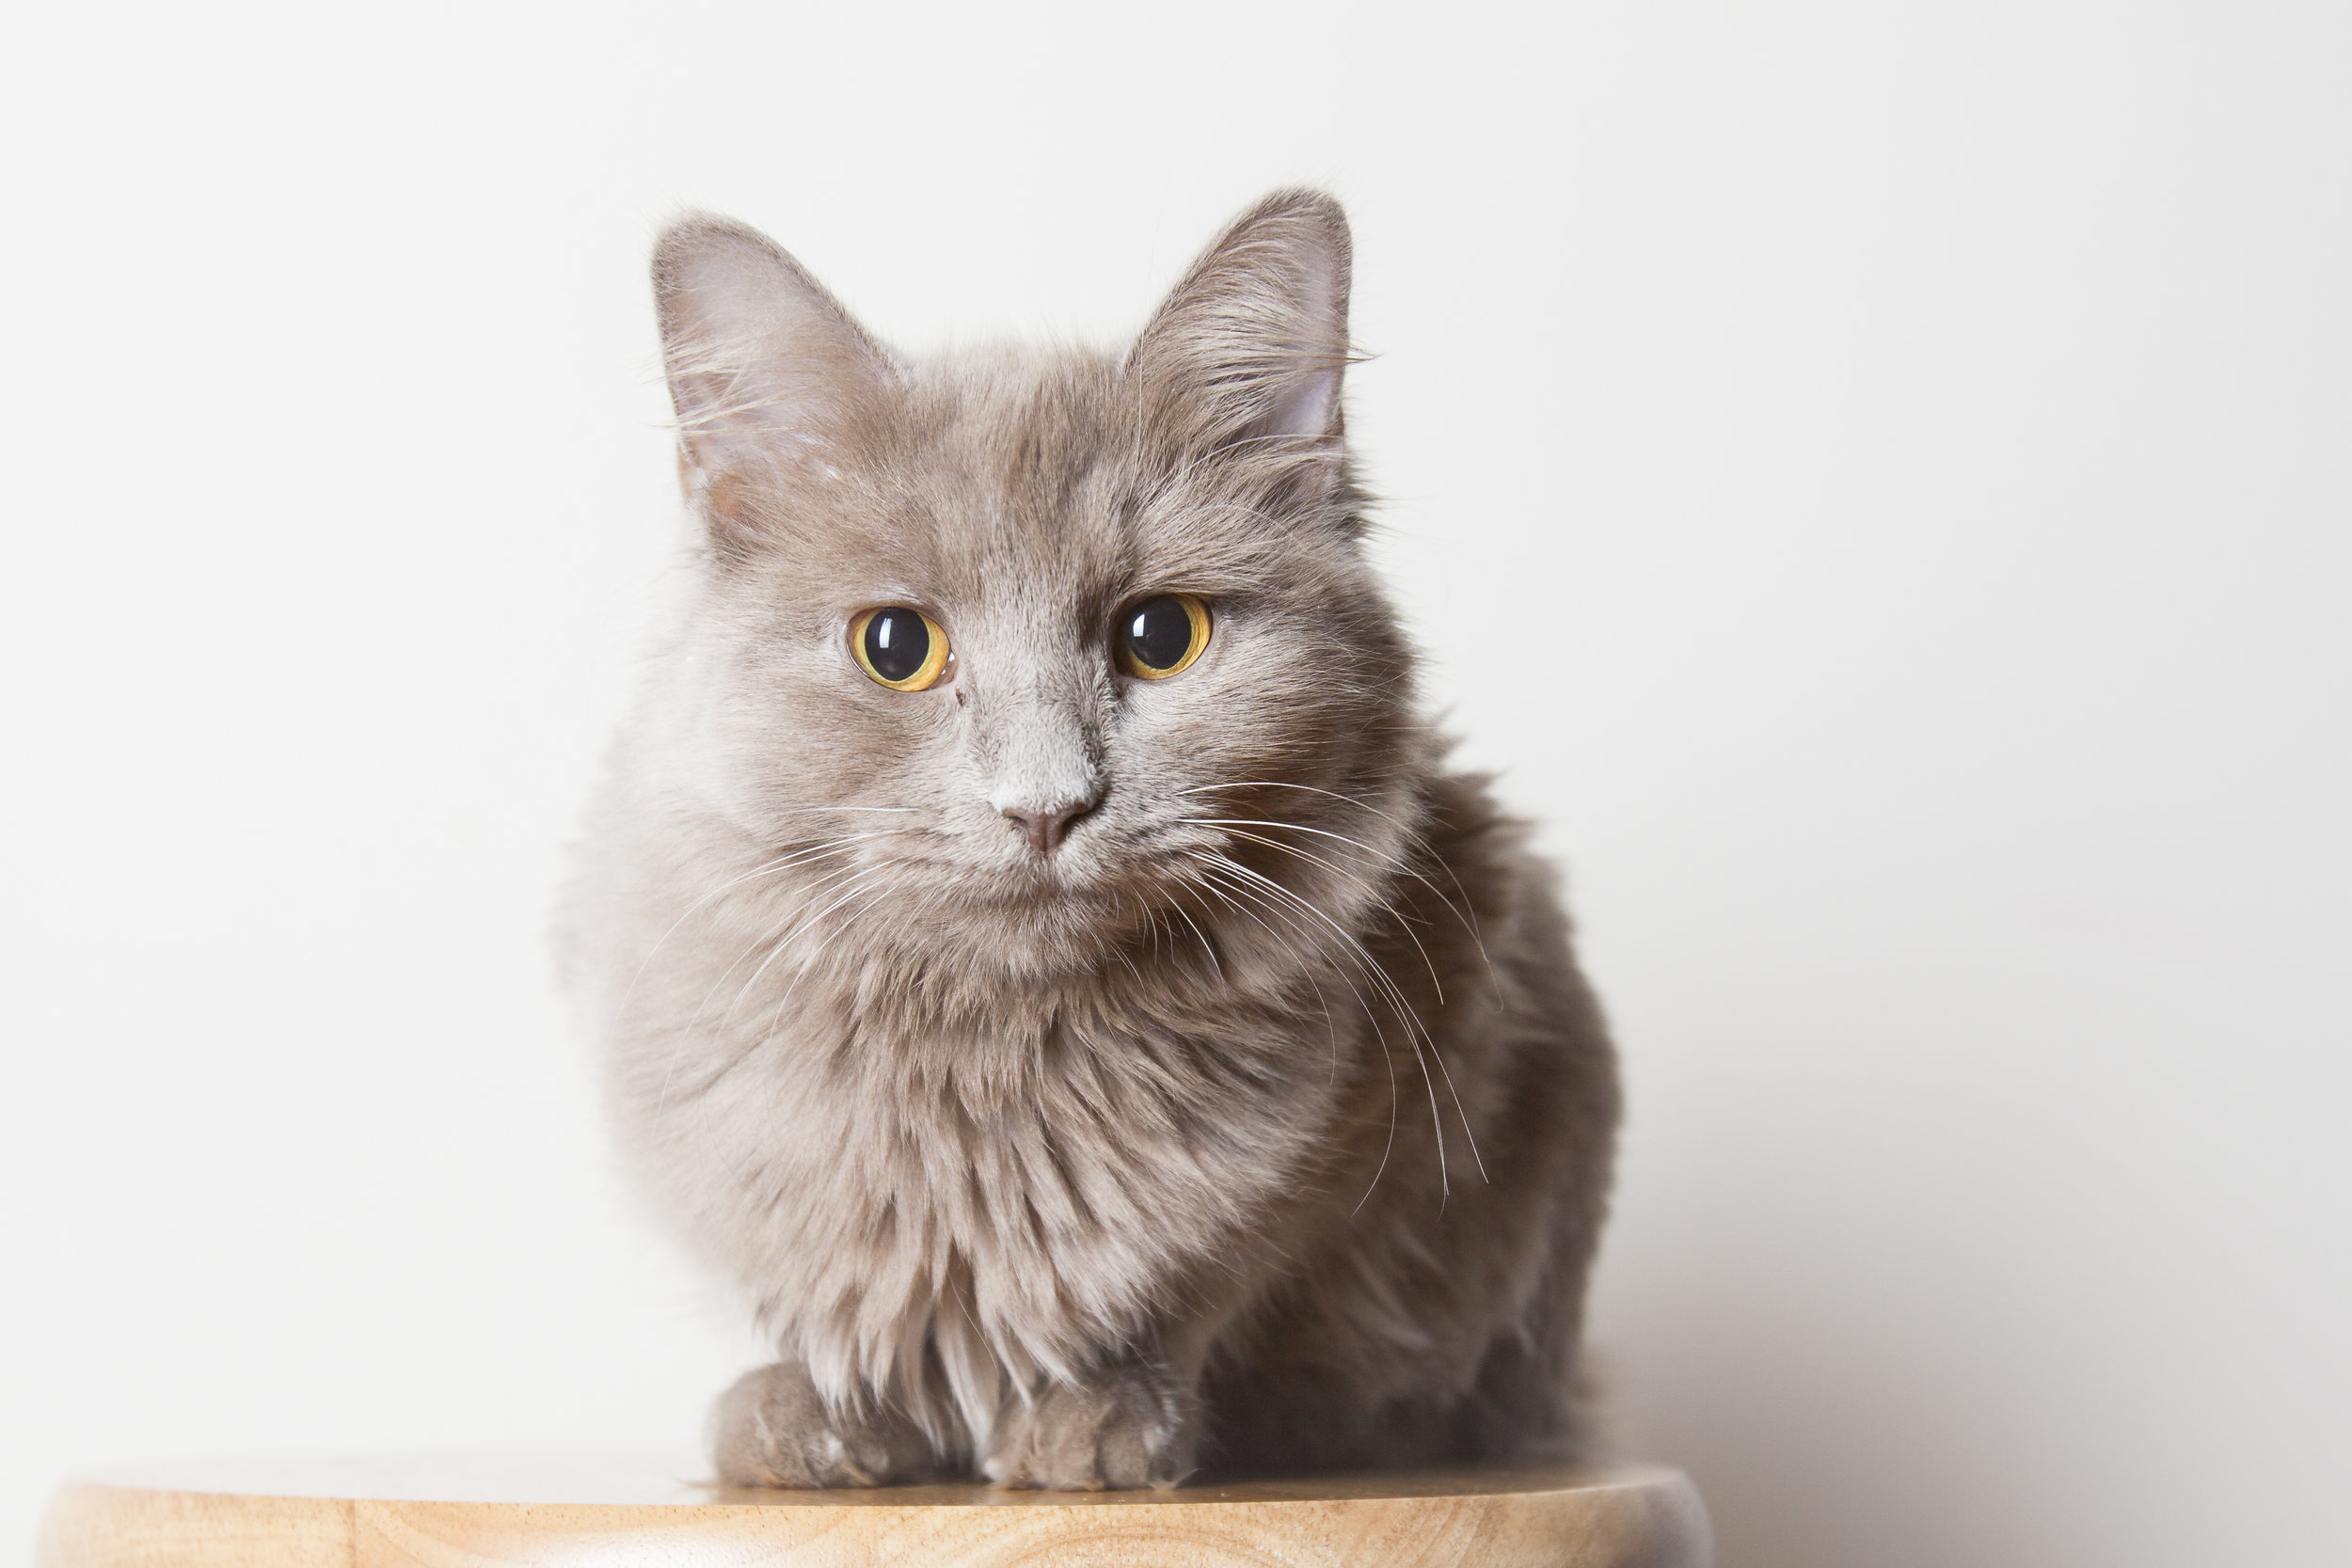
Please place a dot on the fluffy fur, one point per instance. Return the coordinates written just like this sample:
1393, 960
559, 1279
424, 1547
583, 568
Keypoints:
1266, 1123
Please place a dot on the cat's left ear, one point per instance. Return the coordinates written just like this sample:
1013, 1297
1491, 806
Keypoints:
1252, 344
766, 369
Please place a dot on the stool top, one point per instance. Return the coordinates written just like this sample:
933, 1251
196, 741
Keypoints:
615, 1510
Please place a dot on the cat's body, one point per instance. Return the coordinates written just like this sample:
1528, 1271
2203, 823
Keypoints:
1089, 1075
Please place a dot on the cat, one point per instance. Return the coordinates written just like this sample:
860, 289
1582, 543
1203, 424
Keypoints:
1038, 949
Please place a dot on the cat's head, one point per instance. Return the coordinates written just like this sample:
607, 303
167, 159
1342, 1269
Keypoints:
1031, 652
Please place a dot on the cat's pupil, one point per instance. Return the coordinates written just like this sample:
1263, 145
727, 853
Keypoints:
1158, 632
897, 642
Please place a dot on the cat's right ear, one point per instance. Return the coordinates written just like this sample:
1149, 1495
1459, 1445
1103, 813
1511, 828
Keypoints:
767, 371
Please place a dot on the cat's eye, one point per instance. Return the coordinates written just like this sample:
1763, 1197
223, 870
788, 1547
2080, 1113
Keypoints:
1161, 636
901, 649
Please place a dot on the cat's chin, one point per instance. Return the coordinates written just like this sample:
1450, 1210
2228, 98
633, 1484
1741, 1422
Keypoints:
1047, 926
1046, 912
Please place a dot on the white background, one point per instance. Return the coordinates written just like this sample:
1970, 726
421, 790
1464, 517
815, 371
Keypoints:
1922, 433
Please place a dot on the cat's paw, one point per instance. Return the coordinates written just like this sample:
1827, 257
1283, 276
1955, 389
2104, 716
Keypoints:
1130, 1430
771, 1429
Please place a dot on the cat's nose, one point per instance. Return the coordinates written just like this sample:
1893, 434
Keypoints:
1044, 828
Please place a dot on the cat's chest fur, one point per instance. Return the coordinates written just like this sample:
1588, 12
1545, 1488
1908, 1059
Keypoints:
916, 1192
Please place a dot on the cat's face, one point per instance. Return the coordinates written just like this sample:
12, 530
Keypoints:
1040, 651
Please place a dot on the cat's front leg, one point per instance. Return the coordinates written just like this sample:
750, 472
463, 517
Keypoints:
774, 1428
1129, 1426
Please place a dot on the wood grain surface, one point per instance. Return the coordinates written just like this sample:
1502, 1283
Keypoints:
618, 1511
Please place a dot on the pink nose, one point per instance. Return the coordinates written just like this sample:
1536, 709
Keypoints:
1045, 830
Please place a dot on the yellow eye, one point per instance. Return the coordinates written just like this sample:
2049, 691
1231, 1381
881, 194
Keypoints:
1161, 636
901, 649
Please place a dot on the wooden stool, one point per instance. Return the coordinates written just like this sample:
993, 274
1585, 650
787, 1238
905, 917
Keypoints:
619, 1510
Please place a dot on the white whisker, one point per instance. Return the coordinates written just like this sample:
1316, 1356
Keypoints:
1461, 911
1305, 966
1435, 985
1370, 890
782, 862
1206, 945
1372, 1018
1416, 1033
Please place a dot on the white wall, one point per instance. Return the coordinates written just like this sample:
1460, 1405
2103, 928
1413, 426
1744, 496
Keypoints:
1926, 430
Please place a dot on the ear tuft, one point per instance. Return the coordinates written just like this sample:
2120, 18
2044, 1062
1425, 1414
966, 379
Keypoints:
766, 369
1253, 343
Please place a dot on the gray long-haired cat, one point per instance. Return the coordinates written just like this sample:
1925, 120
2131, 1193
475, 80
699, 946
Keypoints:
1038, 949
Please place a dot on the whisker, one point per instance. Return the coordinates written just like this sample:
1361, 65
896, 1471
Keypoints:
777, 1013
781, 863
823, 885
1379, 1035
1305, 966
1205, 945
855, 885
1396, 862
1445, 1069
1435, 984
857, 878
1118, 950
1461, 911
1379, 979
1416, 1032
830, 878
